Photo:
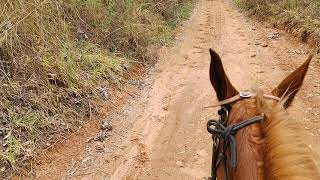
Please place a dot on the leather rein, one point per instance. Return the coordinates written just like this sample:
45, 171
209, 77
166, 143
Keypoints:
220, 131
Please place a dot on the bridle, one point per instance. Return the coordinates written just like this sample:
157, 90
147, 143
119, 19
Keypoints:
220, 131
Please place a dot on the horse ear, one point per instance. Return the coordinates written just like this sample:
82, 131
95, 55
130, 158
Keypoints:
289, 87
219, 80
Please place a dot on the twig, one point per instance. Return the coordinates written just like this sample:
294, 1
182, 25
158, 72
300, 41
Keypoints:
90, 113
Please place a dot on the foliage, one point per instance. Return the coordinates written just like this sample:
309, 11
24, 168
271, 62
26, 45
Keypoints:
56, 55
302, 18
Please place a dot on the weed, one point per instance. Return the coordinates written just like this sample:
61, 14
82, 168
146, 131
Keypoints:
14, 149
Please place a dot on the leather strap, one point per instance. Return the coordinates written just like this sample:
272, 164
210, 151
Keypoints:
242, 95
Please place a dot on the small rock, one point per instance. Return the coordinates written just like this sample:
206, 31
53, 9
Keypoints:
257, 43
296, 52
180, 163
90, 140
274, 35
106, 126
81, 33
253, 55
85, 160
100, 149
102, 135
2, 169
306, 128
181, 152
309, 95
165, 108
125, 66
260, 72
309, 146
253, 29
311, 134
264, 45
104, 93
138, 83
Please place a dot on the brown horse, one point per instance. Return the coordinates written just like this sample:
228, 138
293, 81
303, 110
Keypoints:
270, 149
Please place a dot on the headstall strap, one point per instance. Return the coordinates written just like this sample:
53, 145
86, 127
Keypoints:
242, 95
220, 131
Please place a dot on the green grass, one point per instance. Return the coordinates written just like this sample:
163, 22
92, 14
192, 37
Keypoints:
14, 149
185, 11
50, 75
303, 15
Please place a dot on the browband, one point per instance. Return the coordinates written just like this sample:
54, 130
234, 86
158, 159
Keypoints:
243, 95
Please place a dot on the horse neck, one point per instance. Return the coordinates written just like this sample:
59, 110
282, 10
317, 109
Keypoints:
287, 156
268, 150
250, 146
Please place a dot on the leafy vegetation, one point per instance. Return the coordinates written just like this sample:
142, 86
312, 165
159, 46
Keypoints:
302, 18
56, 56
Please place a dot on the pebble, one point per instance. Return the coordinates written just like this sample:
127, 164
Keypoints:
311, 134
264, 45
99, 148
180, 163
104, 93
273, 35
106, 126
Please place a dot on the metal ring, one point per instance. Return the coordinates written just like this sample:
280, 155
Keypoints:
245, 94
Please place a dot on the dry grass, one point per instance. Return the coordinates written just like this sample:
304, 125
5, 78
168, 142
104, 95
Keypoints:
56, 56
301, 18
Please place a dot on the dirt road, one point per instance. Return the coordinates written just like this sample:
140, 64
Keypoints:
161, 133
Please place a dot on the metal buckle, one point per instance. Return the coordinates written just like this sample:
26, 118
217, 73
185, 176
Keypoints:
224, 117
245, 94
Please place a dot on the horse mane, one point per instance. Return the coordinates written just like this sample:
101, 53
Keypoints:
286, 156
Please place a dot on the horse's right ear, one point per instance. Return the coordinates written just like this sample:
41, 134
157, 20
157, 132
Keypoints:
219, 79
289, 87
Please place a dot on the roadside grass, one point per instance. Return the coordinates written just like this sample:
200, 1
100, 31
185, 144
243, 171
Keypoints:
301, 18
56, 56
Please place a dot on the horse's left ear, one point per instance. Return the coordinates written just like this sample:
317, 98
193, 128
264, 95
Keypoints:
289, 87
219, 79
